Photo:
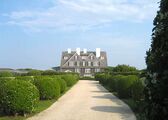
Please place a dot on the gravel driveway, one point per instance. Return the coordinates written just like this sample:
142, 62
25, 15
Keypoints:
87, 100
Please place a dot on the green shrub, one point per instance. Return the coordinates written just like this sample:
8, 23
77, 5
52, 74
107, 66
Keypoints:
70, 79
124, 84
112, 83
34, 73
49, 72
6, 74
48, 87
4, 79
18, 97
87, 78
63, 85
137, 90
102, 78
62, 82
25, 78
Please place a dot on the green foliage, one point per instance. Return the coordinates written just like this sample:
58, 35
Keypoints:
18, 97
34, 73
157, 67
87, 78
49, 72
25, 78
6, 74
4, 79
112, 82
124, 85
137, 90
48, 87
118, 83
70, 79
62, 83
124, 68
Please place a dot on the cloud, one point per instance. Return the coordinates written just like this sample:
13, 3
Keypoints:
83, 14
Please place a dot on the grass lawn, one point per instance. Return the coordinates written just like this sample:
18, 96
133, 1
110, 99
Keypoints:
42, 105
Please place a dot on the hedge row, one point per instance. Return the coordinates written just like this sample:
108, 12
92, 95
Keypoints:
20, 95
125, 86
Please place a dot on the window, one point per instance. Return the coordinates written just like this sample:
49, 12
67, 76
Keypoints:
77, 70
76, 57
65, 57
89, 63
91, 57
71, 63
84, 63
88, 70
97, 70
95, 63
102, 57
78, 63
84, 57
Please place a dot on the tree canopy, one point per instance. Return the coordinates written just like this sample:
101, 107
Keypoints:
157, 67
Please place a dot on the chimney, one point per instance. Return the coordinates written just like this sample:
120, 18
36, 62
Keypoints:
78, 51
69, 50
84, 51
97, 52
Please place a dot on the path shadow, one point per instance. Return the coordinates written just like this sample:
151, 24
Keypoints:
112, 109
106, 96
100, 91
125, 113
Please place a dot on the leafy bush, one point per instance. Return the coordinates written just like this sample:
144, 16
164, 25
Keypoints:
124, 84
48, 87
62, 82
34, 73
25, 78
102, 78
49, 72
70, 79
18, 97
6, 74
63, 85
124, 68
112, 82
4, 79
87, 78
137, 90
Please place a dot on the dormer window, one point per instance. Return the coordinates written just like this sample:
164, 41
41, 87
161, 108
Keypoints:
102, 57
65, 57
84, 63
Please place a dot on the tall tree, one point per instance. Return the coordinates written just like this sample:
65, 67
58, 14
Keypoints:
156, 92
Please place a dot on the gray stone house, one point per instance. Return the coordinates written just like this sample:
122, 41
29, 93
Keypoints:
86, 63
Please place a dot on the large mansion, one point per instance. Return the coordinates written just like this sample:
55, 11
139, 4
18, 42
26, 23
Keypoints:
86, 63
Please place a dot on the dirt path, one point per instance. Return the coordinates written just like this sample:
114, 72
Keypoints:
87, 100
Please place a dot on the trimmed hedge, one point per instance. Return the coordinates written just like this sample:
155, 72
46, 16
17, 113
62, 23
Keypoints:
48, 87
49, 72
62, 83
70, 79
6, 74
25, 78
18, 97
125, 86
34, 73
137, 90
4, 79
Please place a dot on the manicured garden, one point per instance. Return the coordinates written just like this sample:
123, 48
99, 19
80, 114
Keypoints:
23, 95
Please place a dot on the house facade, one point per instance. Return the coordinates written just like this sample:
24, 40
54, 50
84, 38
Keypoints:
86, 63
